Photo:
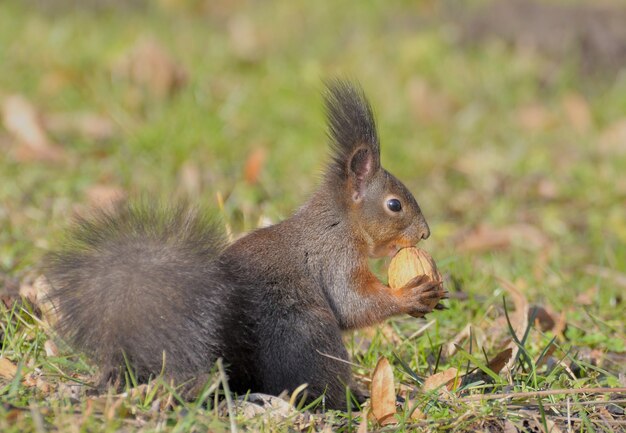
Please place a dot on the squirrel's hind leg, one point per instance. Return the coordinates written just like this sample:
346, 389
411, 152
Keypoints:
310, 351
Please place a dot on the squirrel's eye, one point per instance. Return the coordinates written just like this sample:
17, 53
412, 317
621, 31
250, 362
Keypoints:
394, 205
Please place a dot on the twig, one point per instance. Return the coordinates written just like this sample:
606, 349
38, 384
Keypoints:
569, 417
607, 421
527, 394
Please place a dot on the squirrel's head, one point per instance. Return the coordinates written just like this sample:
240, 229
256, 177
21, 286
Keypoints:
381, 209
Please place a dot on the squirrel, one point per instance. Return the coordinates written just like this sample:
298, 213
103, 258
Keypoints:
158, 288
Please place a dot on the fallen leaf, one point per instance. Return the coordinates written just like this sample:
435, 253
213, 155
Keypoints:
487, 238
244, 39
618, 278
89, 125
452, 347
51, 348
189, 178
417, 414
22, 120
104, 196
427, 104
577, 112
438, 380
383, 393
254, 166
500, 360
587, 297
518, 318
545, 319
148, 65
8, 370
362, 428
612, 140
534, 117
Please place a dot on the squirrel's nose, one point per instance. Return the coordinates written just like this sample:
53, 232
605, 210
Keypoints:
424, 232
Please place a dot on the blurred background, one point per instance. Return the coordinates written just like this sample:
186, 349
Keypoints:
507, 119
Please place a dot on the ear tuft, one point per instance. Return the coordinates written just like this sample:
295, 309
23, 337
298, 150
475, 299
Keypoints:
352, 131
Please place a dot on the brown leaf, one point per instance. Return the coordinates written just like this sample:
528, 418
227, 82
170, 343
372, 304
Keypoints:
487, 238
89, 125
452, 347
518, 318
577, 112
447, 377
22, 120
104, 196
383, 393
613, 139
189, 178
428, 105
254, 165
244, 39
534, 117
149, 66
51, 348
588, 297
544, 318
500, 360
8, 370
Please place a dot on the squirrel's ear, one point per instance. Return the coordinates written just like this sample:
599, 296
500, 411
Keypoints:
361, 166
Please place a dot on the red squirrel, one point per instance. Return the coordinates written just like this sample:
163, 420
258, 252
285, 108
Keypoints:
158, 289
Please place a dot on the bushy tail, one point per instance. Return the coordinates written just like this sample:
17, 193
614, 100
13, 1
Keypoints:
140, 282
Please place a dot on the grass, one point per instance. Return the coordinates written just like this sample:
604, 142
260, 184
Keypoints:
484, 135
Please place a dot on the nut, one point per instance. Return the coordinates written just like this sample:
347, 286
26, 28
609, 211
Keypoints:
409, 263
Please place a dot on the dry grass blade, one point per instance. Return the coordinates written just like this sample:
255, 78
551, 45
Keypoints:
529, 394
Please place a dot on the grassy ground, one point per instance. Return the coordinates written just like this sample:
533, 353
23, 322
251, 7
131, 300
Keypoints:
517, 161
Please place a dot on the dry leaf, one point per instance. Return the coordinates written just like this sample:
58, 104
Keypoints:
588, 297
189, 178
452, 347
428, 105
22, 120
383, 393
545, 318
517, 318
613, 139
577, 112
104, 196
486, 238
254, 165
151, 67
500, 360
534, 117
51, 348
417, 414
447, 377
244, 39
616, 277
89, 125
8, 370
363, 424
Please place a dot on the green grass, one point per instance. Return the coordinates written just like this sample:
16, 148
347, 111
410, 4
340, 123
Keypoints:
449, 119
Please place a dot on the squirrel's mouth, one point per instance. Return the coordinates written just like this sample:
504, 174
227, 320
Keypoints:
391, 249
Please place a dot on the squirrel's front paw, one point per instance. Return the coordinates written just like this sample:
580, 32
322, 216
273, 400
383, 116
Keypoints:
421, 296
